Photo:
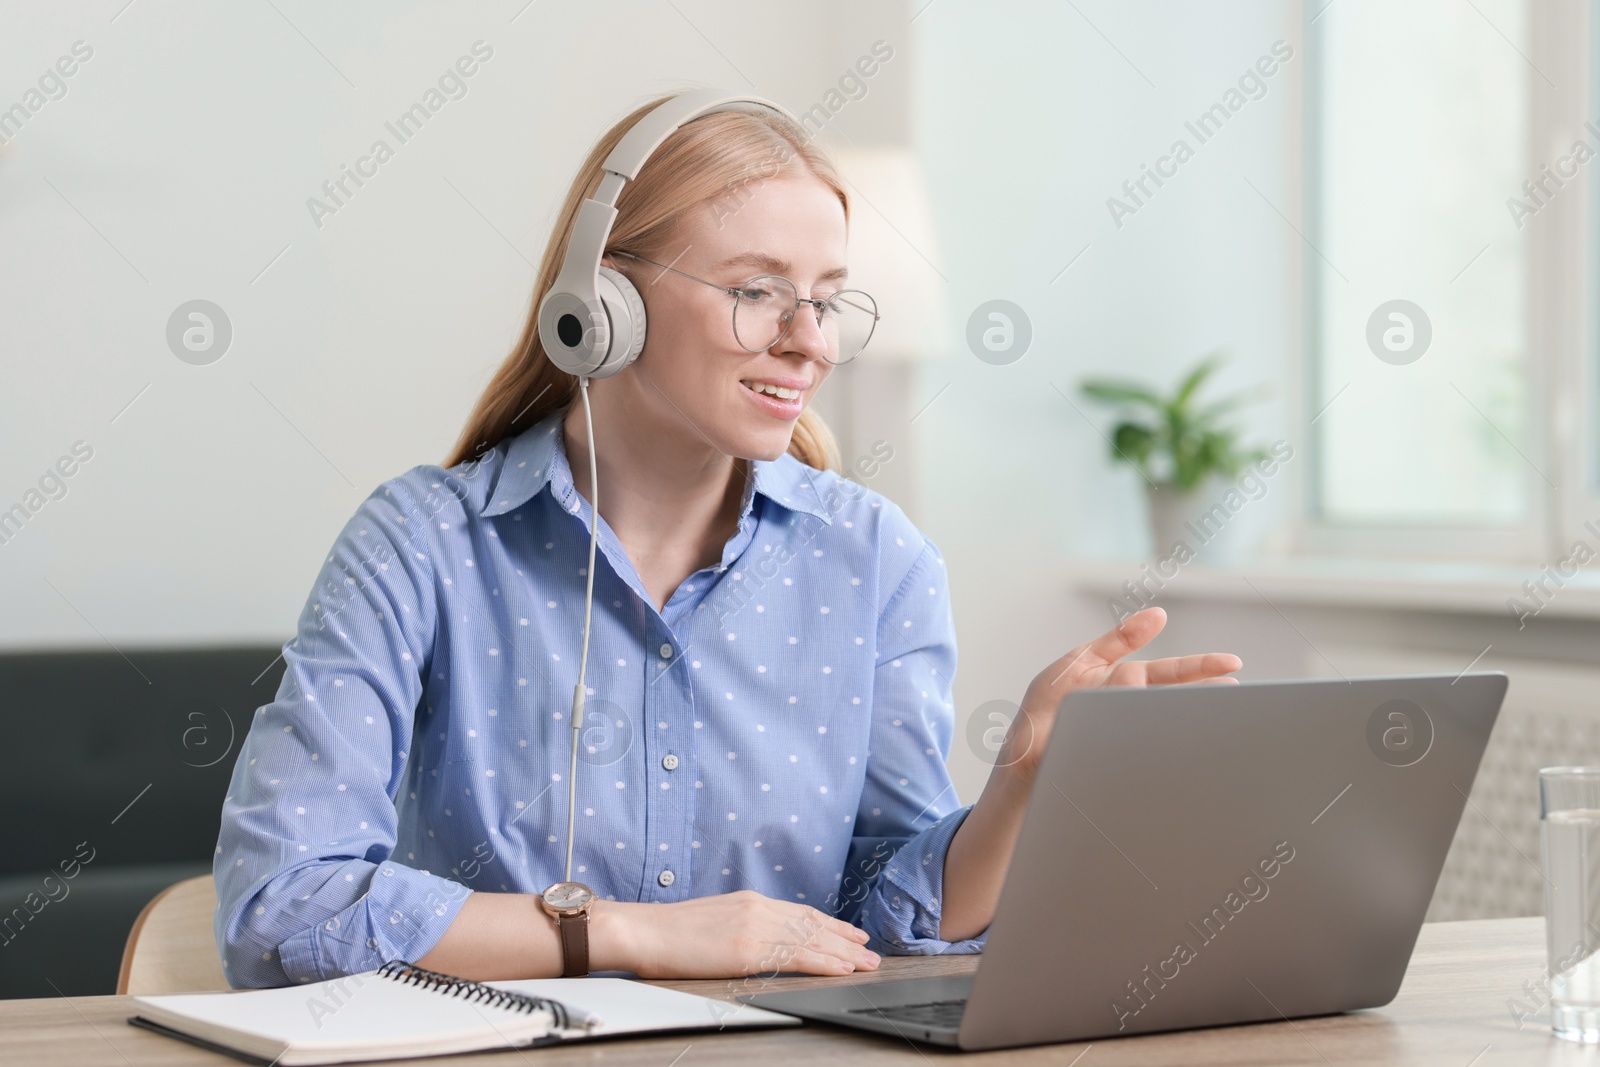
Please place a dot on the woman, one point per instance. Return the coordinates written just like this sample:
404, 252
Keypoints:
762, 779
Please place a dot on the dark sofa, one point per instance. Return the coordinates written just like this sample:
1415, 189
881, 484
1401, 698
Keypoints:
112, 773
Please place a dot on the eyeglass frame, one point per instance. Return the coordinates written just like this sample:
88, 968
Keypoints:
734, 291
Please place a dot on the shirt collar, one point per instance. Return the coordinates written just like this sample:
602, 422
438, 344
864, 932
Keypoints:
532, 458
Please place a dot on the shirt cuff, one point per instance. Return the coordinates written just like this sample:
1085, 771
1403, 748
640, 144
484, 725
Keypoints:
402, 916
902, 912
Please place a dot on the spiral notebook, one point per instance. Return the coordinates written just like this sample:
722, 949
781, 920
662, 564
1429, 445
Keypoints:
401, 1010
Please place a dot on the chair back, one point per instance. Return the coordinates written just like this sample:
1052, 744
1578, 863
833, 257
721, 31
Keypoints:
171, 948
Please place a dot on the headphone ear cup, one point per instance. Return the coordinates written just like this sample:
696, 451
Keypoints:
625, 308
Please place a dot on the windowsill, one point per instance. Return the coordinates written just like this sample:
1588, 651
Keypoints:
1346, 582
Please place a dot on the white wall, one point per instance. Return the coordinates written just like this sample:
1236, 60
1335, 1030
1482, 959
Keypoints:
178, 165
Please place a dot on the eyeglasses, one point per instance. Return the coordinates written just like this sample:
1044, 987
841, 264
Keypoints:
764, 307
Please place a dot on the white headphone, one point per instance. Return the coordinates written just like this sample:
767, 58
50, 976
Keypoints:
586, 292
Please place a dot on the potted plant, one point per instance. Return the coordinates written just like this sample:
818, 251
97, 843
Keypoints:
1184, 450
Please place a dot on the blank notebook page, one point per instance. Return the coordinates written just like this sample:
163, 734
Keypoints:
625, 1006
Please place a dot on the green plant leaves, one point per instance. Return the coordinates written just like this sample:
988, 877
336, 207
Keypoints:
1175, 443
1194, 380
1133, 442
1115, 392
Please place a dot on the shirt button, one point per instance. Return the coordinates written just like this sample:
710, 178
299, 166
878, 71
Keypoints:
669, 761
666, 651
666, 878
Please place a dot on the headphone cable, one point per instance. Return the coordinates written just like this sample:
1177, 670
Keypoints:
588, 604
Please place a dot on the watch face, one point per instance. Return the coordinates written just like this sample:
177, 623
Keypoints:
568, 895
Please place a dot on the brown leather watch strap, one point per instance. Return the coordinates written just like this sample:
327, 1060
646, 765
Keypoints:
574, 944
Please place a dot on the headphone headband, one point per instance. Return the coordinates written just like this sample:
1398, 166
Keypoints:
576, 320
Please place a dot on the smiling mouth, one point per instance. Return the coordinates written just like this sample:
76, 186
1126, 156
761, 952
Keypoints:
777, 391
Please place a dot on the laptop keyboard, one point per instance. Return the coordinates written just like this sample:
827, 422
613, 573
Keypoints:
943, 1013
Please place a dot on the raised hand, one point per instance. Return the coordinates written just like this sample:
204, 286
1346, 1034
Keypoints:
1100, 662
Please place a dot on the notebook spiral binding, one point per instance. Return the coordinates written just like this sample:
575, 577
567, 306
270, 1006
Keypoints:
465, 988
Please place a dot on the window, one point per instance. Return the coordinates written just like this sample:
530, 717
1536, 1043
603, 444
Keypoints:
1427, 434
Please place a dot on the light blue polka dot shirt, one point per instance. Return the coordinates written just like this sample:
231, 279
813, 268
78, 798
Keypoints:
782, 725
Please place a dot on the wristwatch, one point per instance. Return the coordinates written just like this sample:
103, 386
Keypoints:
569, 904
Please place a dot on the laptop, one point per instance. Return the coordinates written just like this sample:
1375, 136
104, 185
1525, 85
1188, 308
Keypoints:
1202, 855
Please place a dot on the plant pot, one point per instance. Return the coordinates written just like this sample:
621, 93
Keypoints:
1201, 524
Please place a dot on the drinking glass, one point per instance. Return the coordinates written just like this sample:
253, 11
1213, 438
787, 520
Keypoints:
1569, 832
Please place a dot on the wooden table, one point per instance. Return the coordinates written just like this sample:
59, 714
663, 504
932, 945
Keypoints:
1453, 1010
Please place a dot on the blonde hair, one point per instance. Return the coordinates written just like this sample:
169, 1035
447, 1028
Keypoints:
711, 157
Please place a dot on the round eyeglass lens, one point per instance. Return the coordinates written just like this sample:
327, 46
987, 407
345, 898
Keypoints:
765, 308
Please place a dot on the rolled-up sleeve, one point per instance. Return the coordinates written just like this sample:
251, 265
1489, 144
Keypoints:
893, 884
307, 888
